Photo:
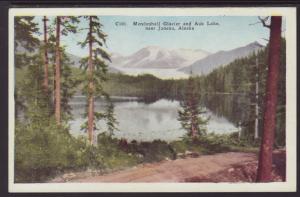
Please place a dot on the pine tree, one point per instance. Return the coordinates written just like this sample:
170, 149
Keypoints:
24, 44
264, 171
37, 103
68, 24
69, 84
111, 120
190, 114
51, 48
96, 74
25, 41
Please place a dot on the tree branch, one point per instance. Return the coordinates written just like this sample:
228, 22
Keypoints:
263, 21
265, 39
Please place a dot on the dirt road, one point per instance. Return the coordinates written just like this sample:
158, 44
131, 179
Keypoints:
178, 170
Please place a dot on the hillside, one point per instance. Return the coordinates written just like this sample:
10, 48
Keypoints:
213, 61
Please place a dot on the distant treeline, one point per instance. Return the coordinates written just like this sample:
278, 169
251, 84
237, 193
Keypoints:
147, 86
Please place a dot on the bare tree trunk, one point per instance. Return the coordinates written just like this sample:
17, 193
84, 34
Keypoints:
239, 133
256, 101
53, 83
193, 130
91, 87
194, 126
265, 158
57, 74
46, 78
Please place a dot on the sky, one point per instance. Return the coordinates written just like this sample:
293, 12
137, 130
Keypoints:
232, 32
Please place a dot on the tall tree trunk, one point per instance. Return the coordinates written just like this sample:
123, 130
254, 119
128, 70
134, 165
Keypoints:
194, 125
91, 87
265, 159
46, 78
193, 130
53, 84
57, 73
256, 100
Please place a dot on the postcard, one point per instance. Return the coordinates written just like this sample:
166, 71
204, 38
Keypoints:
152, 99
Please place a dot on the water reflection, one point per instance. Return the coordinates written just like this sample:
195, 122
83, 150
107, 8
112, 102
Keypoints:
235, 107
146, 122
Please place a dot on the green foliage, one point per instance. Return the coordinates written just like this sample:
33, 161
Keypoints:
121, 153
146, 86
212, 143
42, 151
190, 114
25, 29
154, 151
95, 72
111, 120
281, 103
114, 156
239, 77
24, 44
32, 91
69, 84
69, 24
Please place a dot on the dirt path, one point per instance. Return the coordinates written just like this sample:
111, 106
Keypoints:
178, 170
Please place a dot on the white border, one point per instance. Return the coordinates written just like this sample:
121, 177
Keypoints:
291, 92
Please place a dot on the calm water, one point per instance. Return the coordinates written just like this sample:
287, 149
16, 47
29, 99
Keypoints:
146, 122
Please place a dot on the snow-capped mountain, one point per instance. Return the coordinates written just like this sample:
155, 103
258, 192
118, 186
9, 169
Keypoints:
171, 63
213, 61
155, 57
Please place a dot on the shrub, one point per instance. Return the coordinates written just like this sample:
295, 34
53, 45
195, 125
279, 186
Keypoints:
180, 146
114, 157
154, 151
42, 151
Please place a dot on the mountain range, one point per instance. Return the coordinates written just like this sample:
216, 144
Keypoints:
183, 60
213, 61
157, 57
170, 63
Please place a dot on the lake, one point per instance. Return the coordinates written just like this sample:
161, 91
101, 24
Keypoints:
143, 121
